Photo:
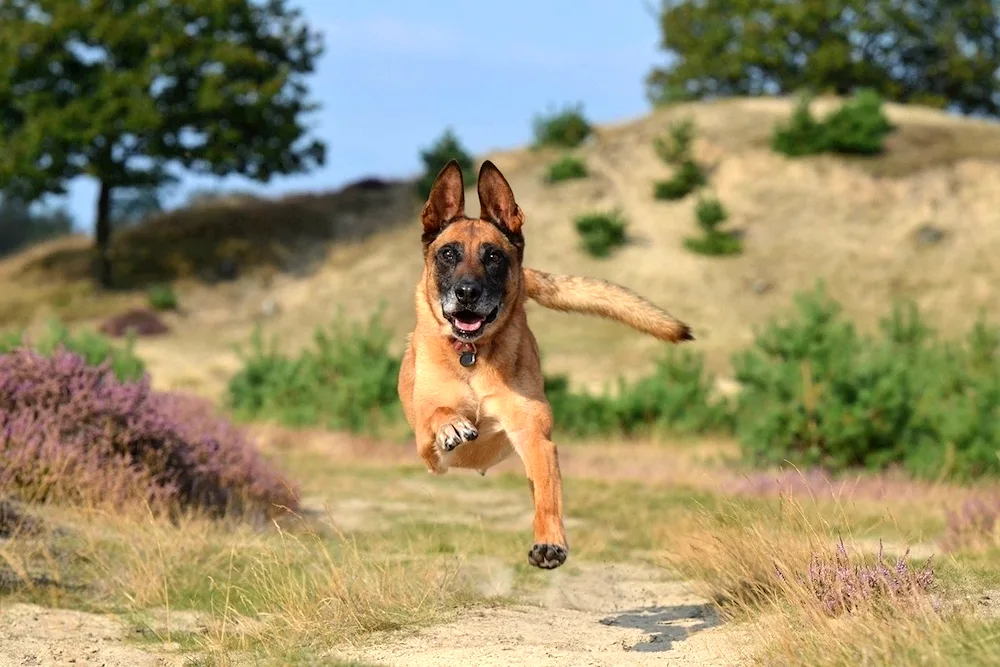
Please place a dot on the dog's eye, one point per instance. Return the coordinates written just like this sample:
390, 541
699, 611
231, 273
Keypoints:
447, 254
493, 257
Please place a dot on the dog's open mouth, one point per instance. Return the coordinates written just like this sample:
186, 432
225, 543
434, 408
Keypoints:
468, 324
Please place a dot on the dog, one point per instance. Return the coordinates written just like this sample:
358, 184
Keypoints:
471, 380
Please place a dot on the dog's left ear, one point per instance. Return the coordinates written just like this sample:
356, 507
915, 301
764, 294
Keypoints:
496, 199
445, 202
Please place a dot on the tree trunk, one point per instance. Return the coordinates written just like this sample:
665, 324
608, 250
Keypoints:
103, 236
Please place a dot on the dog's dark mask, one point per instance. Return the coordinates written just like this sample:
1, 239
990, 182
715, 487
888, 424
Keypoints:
471, 281
472, 259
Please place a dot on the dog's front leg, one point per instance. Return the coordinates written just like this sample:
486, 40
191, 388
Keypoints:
541, 462
529, 428
444, 430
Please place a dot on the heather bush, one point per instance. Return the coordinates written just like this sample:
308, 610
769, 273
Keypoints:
841, 586
437, 155
346, 380
687, 178
815, 392
601, 232
74, 432
92, 347
565, 169
562, 129
858, 127
134, 322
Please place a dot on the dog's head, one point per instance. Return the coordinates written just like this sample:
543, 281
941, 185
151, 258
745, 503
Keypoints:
473, 265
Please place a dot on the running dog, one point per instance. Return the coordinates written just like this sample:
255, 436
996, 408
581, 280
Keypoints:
471, 378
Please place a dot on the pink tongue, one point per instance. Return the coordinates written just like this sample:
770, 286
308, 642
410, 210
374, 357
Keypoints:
468, 326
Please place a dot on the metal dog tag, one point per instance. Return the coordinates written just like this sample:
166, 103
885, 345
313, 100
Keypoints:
467, 358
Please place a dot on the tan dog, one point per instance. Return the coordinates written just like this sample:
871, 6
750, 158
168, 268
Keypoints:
471, 379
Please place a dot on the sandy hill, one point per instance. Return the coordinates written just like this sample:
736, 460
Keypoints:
921, 221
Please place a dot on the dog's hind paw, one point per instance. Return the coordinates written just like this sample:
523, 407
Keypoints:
454, 433
547, 556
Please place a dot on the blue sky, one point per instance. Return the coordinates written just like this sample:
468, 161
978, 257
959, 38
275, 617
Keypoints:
395, 73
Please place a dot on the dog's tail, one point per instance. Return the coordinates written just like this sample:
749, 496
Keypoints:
576, 294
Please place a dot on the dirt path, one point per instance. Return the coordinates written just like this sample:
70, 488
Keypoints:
588, 616
33, 636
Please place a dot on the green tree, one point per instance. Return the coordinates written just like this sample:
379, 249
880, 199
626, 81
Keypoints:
436, 156
129, 92
920, 51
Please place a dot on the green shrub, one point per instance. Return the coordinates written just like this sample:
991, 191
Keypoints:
565, 169
564, 129
676, 148
802, 135
94, 348
716, 244
858, 127
688, 177
436, 156
580, 414
676, 397
162, 297
815, 392
710, 213
346, 380
600, 233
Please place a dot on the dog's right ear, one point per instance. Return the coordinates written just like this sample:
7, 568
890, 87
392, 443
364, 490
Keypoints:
446, 201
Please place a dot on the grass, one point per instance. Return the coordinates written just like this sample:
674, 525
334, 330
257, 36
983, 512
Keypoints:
759, 563
716, 244
384, 547
304, 586
267, 592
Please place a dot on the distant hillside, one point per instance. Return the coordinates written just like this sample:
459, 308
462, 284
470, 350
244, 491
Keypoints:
921, 221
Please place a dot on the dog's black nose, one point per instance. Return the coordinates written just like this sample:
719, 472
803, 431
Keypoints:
468, 292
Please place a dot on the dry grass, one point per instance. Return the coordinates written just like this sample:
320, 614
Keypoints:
755, 562
382, 545
269, 593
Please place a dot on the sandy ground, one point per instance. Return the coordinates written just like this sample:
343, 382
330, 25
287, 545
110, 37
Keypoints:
588, 616
33, 636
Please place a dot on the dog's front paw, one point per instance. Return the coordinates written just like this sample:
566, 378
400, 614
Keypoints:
454, 433
547, 556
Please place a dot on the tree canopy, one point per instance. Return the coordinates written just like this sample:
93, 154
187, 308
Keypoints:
933, 52
129, 92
